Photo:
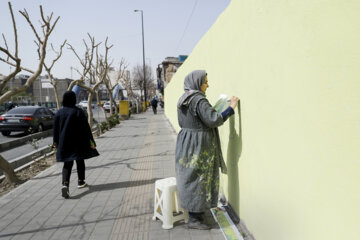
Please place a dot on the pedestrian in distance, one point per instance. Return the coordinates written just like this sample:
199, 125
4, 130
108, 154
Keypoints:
154, 103
198, 152
73, 141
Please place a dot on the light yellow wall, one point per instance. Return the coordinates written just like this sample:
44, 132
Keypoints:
294, 168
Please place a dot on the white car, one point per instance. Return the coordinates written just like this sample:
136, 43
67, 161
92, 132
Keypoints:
84, 104
107, 106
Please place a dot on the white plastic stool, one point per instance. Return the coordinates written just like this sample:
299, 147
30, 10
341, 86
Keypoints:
166, 203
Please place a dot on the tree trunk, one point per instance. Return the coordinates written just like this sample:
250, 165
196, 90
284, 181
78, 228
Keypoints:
89, 110
8, 171
104, 112
112, 100
101, 105
57, 97
111, 105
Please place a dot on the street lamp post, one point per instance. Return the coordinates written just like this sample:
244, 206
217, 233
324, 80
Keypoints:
142, 24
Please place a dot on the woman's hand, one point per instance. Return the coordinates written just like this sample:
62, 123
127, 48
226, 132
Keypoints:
233, 102
92, 144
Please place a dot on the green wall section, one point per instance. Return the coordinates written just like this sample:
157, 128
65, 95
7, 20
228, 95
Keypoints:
293, 147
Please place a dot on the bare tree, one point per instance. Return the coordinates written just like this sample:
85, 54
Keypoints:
85, 63
48, 70
13, 59
101, 70
126, 82
151, 87
110, 90
50, 76
94, 72
120, 75
138, 78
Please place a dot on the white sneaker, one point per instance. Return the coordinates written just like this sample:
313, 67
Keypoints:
82, 184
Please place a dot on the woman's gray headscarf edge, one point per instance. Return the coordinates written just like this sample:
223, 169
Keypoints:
192, 87
194, 80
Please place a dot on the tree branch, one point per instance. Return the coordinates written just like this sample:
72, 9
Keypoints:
14, 65
26, 16
57, 57
15, 30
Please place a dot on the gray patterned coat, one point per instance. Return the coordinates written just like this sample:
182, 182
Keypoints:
198, 154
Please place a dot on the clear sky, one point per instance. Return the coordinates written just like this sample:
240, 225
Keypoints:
172, 28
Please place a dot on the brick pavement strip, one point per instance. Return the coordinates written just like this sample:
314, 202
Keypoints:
119, 201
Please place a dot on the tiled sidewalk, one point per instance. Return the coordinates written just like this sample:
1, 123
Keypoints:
119, 201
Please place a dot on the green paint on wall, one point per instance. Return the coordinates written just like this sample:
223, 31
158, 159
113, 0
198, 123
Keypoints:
293, 146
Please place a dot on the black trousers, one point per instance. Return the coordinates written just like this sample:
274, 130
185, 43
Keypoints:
66, 171
154, 109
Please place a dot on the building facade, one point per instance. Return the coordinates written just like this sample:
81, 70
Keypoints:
40, 92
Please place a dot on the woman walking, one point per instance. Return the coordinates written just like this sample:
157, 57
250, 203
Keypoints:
198, 151
73, 140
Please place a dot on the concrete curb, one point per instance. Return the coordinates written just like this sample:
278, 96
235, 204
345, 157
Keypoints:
30, 157
21, 141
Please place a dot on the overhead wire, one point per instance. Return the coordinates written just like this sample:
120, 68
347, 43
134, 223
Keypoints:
187, 24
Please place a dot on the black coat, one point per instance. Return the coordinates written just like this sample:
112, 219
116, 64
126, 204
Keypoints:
154, 103
72, 135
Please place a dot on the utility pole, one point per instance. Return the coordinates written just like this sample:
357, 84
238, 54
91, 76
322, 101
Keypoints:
142, 24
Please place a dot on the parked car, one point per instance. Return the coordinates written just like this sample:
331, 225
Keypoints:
84, 104
2, 109
53, 110
107, 106
26, 119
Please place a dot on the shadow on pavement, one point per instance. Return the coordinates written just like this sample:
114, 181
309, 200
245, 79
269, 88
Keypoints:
112, 186
119, 162
17, 134
82, 223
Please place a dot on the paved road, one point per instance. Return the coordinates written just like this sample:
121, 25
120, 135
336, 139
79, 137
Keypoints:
11, 137
99, 115
119, 201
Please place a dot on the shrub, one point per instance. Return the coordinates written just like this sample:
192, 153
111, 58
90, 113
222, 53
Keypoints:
104, 126
113, 120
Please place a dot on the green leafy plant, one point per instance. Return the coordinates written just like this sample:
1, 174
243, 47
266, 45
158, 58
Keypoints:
113, 120
104, 126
